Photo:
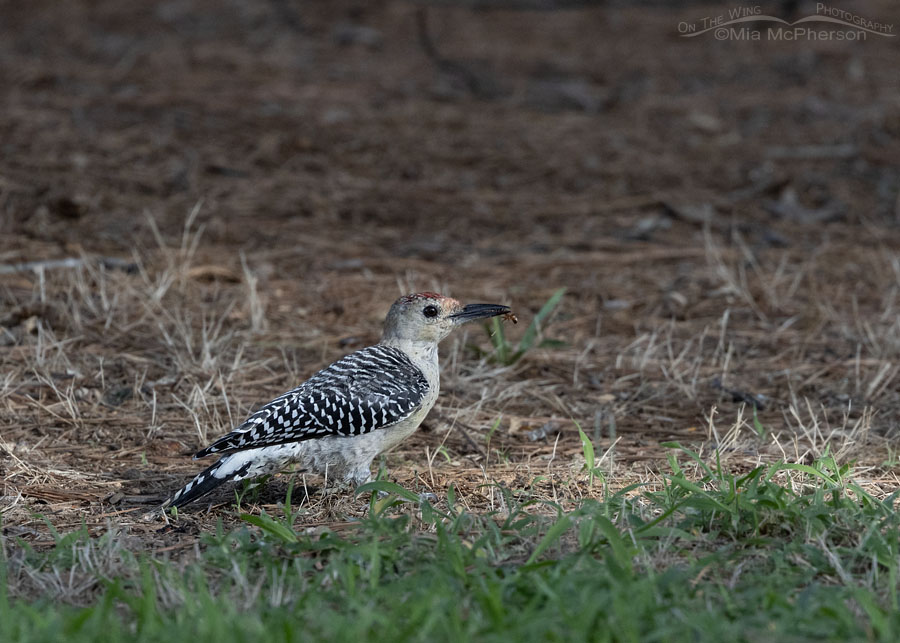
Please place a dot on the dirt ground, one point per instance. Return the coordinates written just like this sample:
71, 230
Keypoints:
244, 187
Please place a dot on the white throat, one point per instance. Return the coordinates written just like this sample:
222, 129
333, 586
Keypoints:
423, 354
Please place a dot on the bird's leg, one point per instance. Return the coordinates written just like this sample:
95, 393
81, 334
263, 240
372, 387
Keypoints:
361, 474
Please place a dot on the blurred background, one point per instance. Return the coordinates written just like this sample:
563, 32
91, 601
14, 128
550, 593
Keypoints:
435, 131
245, 187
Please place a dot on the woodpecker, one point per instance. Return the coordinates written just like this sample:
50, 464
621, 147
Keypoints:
337, 421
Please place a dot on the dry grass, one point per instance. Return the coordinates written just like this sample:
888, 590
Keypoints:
220, 257
114, 377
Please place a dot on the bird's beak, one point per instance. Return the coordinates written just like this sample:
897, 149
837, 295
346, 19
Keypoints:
471, 312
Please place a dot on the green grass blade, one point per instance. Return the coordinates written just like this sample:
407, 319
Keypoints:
531, 333
690, 486
693, 456
587, 448
553, 534
804, 468
271, 527
498, 340
620, 553
387, 487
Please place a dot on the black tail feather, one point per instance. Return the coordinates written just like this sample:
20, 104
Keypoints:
202, 484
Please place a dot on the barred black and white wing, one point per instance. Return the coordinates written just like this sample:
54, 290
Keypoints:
368, 390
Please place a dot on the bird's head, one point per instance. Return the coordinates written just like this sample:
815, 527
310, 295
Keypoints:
429, 317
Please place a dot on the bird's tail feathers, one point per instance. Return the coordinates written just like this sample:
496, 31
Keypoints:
208, 479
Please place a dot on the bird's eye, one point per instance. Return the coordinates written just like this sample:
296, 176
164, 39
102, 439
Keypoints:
430, 311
